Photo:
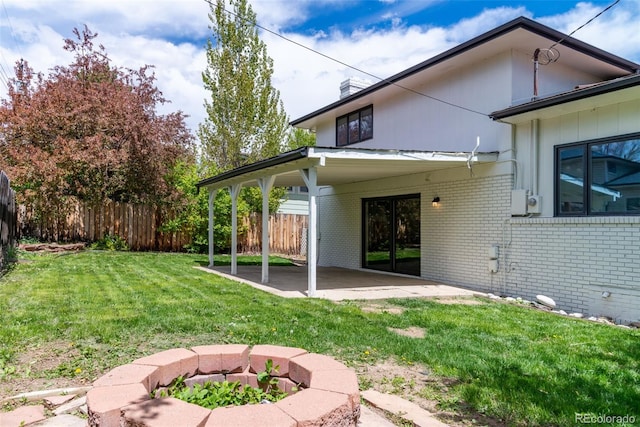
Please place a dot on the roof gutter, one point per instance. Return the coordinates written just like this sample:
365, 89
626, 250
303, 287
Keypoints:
575, 95
289, 156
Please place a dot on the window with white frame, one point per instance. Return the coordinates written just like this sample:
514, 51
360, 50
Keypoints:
598, 177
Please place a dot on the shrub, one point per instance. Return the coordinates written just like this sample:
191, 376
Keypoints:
110, 243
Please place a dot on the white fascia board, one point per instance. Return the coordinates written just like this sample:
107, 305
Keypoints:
370, 154
250, 178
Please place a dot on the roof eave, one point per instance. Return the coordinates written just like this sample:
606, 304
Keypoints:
515, 24
566, 98
289, 156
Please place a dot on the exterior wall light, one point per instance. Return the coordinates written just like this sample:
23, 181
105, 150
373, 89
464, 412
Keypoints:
435, 202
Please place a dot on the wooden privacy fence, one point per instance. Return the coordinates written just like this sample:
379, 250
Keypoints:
8, 217
140, 226
287, 234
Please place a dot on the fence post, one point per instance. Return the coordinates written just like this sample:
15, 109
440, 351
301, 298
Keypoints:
8, 218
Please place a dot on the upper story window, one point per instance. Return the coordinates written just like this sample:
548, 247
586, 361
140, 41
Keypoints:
354, 127
610, 168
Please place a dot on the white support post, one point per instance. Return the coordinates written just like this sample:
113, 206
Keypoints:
235, 191
212, 198
310, 177
266, 184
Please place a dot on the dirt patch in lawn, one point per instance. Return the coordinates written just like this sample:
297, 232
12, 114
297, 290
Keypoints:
459, 300
412, 332
381, 308
417, 384
33, 369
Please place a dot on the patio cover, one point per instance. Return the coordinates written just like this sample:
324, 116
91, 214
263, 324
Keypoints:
317, 167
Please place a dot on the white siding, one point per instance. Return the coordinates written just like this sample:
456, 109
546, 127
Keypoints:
410, 121
553, 78
294, 207
418, 123
612, 120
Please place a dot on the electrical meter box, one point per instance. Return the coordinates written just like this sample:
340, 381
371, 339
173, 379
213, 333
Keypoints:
519, 202
493, 252
534, 204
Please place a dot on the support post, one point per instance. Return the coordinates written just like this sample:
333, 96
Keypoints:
310, 177
266, 184
212, 198
235, 191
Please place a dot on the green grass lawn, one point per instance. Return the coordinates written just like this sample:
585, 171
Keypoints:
96, 310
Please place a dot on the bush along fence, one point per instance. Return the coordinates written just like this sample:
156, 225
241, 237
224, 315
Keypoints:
8, 218
140, 225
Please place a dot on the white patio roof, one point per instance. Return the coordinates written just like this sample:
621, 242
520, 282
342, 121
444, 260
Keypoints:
315, 167
342, 166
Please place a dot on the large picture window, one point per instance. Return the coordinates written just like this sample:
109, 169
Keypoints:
354, 127
599, 177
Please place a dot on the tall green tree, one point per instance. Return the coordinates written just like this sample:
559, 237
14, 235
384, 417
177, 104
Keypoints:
300, 138
245, 119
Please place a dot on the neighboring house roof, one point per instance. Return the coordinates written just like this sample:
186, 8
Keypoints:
631, 179
629, 83
523, 34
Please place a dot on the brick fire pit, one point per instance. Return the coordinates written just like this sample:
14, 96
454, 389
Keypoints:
328, 391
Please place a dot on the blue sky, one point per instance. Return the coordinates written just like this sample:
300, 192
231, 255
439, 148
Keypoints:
351, 15
382, 37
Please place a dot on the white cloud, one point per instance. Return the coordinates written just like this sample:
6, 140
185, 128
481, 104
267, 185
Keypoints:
488, 19
616, 30
170, 35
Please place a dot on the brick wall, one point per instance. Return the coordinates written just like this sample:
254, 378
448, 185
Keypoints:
575, 260
458, 234
572, 260
455, 236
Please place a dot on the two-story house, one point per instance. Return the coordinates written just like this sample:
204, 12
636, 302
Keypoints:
508, 164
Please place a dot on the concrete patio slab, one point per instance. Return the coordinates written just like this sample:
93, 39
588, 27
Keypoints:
337, 284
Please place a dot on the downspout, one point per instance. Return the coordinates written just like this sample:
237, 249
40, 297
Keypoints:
514, 158
507, 222
535, 139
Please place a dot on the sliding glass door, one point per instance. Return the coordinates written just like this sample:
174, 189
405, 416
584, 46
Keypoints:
391, 234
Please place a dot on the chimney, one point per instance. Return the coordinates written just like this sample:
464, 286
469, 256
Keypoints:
352, 85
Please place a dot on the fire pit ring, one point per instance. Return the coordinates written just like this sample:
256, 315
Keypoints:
328, 392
